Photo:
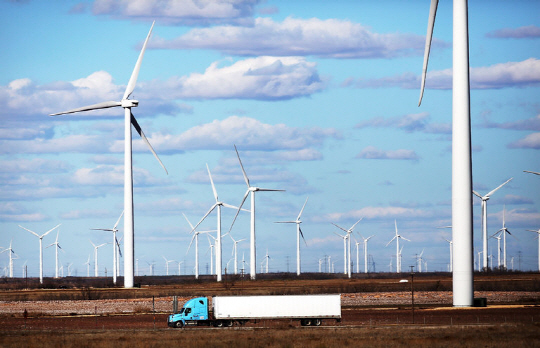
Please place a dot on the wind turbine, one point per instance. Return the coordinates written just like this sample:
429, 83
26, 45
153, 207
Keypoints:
298, 234
57, 246
537, 237
462, 216
365, 240
498, 238
217, 205
267, 259
528, 171
40, 249
252, 190
87, 263
235, 252
129, 120
96, 247
349, 232
167, 263
196, 238
419, 261
484, 220
115, 245
504, 231
397, 237
11, 253
344, 237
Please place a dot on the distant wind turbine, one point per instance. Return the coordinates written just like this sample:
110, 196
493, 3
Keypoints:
57, 246
298, 235
462, 215
252, 190
348, 250
96, 247
504, 230
167, 263
40, 249
87, 263
484, 199
217, 205
397, 237
11, 253
365, 240
235, 252
115, 245
537, 237
196, 239
129, 120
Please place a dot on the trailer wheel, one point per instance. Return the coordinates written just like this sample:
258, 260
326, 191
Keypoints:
317, 322
178, 324
305, 322
218, 323
229, 323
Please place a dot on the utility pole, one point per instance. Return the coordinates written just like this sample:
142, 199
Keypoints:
412, 291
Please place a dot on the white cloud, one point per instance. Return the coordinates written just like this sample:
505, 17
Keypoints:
526, 32
111, 175
372, 152
409, 123
531, 141
376, 213
245, 132
531, 124
330, 38
510, 74
186, 12
263, 78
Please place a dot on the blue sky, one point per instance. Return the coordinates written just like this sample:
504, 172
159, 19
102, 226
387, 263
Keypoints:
320, 99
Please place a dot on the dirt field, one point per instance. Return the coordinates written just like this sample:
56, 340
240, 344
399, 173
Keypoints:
369, 319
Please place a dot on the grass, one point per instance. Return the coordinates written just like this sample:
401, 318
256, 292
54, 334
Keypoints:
388, 336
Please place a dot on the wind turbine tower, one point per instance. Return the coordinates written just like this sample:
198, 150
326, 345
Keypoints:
484, 220
11, 253
537, 237
462, 216
40, 249
298, 235
252, 190
115, 245
235, 252
129, 119
96, 247
347, 239
397, 237
365, 252
57, 246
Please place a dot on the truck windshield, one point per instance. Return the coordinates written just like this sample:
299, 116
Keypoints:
181, 310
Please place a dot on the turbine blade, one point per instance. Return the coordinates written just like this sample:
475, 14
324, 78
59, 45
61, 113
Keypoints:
301, 211
284, 222
302, 234
408, 240
476, 194
341, 228
133, 79
34, 233
204, 217
119, 250
241, 166
528, 171
429, 36
391, 240
192, 228
141, 133
353, 226
212, 182
238, 211
103, 105
46, 233
101, 229
263, 189
117, 222
493, 191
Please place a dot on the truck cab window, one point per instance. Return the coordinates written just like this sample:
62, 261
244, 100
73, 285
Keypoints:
187, 311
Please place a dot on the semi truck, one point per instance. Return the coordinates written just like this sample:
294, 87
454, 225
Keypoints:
226, 311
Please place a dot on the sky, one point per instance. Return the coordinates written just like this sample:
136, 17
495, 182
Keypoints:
321, 100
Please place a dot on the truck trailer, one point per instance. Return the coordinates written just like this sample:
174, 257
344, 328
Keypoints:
220, 311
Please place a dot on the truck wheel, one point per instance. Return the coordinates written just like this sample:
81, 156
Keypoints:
305, 322
178, 324
317, 322
229, 323
218, 323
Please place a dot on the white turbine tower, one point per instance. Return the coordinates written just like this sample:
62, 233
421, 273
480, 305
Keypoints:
235, 252
217, 205
252, 190
397, 237
115, 245
498, 238
298, 235
167, 264
87, 263
11, 253
365, 240
129, 119
537, 237
57, 246
504, 230
96, 247
196, 239
484, 220
348, 247
462, 216
40, 249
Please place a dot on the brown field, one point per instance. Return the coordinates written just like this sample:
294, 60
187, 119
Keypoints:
376, 312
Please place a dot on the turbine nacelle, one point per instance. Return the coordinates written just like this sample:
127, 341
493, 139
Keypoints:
128, 103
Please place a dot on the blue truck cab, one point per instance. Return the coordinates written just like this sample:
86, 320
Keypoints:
194, 312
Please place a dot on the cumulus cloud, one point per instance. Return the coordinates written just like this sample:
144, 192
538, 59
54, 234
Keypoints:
331, 38
526, 32
409, 123
531, 124
531, 141
375, 213
262, 78
246, 132
503, 75
186, 12
372, 152
111, 175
